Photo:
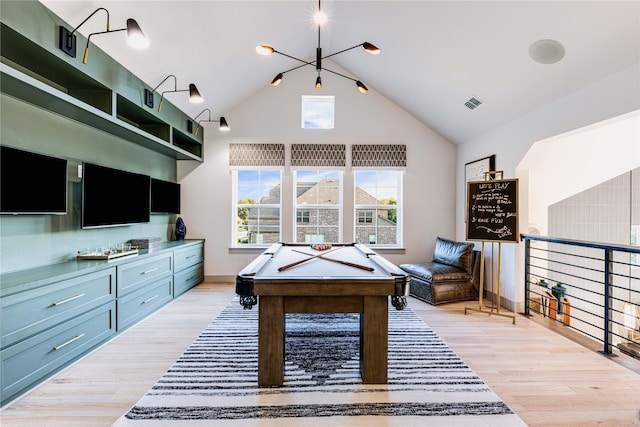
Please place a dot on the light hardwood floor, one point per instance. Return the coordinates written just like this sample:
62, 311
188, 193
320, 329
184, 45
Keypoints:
547, 379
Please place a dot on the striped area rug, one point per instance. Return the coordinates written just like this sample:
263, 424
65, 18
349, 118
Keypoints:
215, 381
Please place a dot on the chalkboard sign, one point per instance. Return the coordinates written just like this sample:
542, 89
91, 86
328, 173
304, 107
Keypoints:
492, 211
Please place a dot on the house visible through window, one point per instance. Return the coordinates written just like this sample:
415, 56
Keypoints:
313, 189
377, 207
318, 211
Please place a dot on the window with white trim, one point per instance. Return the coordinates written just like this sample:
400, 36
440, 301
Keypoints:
318, 207
257, 204
317, 112
378, 207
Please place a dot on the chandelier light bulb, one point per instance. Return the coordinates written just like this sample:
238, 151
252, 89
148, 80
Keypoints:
320, 17
264, 50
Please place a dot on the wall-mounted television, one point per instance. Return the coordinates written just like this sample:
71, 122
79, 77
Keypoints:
165, 197
32, 183
112, 197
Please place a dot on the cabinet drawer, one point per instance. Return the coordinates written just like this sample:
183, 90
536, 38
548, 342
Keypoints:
35, 358
143, 301
139, 273
186, 257
187, 279
31, 312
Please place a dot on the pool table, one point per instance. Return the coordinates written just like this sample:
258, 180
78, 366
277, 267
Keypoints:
344, 278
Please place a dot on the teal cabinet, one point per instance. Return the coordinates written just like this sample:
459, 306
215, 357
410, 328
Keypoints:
143, 301
187, 257
53, 315
188, 267
38, 357
27, 313
133, 275
187, 279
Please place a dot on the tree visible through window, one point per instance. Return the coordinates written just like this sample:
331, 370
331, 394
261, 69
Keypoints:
257, 202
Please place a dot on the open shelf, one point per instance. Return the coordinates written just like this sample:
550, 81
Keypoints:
35, 75
186, 143
37, 62
137, 116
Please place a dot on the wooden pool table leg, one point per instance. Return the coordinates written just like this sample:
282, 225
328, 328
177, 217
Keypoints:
270, 341
374, 327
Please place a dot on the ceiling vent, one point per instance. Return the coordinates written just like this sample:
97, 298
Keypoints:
473, 103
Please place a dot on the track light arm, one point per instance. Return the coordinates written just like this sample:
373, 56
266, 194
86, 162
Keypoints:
175, 84
89, 17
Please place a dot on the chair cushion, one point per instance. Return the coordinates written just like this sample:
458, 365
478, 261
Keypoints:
433, 272
456, 254
421, 270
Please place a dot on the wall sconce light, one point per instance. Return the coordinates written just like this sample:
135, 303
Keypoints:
194, 95
135, 36
224, 126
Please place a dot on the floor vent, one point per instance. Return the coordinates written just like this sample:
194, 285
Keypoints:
473, 103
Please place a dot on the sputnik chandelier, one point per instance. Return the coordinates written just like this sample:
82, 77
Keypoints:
320, 18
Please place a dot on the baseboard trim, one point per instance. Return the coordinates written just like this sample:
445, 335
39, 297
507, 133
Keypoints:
504, 302
220, 279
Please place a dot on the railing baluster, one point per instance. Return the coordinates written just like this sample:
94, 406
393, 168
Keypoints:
607, 301
527, 286
595, 318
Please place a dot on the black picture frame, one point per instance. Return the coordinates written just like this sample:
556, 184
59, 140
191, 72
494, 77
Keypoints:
474, 171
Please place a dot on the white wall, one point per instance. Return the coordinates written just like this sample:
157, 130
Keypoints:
273, 115
546, 163
611, 97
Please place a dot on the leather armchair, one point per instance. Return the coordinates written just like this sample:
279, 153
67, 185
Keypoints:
452, 275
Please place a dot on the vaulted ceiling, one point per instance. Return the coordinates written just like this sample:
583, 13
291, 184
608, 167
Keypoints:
435, 54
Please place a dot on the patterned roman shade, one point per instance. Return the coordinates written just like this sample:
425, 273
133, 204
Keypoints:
318, 155
379, 155
256, 155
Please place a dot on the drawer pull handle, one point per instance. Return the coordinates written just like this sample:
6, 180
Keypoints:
77, 337
150, 299
64, 301
189, 256
149, 271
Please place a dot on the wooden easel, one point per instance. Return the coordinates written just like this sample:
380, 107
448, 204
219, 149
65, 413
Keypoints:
495, 308
496, 305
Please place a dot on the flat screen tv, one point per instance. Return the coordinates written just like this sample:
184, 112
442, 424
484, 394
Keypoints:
112, 197
32, 183
165, 197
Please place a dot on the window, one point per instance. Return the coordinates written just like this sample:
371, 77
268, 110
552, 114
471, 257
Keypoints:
365, 217
318, 112
318, 196
378, 207
302, 217
257, 206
